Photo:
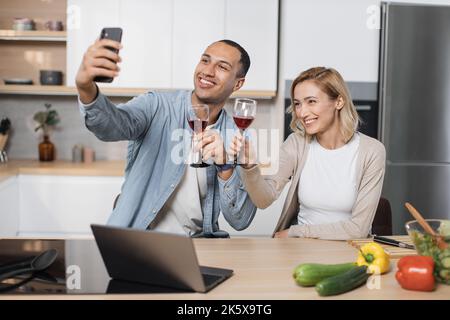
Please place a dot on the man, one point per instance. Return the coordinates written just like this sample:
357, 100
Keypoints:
160, 193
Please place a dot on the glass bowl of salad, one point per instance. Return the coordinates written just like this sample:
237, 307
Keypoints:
437, 246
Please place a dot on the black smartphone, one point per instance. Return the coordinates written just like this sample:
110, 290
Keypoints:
113, 34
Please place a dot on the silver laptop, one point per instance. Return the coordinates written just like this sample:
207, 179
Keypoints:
155, 258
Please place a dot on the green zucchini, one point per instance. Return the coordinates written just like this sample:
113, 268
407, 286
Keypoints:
309, 274
343, 282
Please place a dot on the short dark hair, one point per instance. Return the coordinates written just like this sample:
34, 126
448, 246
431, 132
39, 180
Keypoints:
245, 59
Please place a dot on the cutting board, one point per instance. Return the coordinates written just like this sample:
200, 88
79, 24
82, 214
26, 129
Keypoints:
392, 251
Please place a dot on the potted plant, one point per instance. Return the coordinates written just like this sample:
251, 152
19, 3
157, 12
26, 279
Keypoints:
46, 119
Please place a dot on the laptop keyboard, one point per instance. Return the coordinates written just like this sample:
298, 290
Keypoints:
210, 279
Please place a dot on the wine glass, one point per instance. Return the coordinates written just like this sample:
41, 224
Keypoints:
197, 117
244, 113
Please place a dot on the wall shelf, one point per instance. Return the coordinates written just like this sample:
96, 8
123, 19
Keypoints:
116, 92
33, 35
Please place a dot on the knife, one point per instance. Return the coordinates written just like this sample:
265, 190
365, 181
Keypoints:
5, 125
393, 242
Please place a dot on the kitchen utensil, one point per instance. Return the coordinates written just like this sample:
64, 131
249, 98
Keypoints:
51, 77
441, 243
42, 277
15, 265
5, 124
392, 242
39, 263
3, 140
433, 246
3, 156
10, 287
393, 252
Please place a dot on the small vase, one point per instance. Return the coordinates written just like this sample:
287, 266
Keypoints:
46, 150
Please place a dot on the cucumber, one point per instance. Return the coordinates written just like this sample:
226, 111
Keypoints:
343, 282
309, 274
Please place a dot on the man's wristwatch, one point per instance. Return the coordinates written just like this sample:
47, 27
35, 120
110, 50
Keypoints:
224, 167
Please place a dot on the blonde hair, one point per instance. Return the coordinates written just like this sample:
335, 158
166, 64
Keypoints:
332, 83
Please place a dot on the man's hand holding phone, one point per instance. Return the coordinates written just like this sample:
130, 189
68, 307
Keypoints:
99, 64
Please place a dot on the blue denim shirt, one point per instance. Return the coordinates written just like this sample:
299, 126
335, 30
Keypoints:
153, 123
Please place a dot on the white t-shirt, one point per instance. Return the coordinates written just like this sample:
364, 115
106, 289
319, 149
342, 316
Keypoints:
327, 187
182, 213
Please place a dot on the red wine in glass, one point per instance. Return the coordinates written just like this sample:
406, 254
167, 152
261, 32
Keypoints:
198, 125
243, 122
197, 118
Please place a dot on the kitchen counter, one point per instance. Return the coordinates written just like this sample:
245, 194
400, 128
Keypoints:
60, 167
263, 270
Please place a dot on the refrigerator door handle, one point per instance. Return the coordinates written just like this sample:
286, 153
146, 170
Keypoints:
382, 69
363, 108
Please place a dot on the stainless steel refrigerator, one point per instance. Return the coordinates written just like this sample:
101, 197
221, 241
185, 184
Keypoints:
414, 95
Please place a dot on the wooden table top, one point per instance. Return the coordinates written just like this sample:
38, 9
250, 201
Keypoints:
263, 270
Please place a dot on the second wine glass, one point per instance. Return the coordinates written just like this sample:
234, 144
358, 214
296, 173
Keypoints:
244, 113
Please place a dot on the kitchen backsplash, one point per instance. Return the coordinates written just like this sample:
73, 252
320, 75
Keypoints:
23, 141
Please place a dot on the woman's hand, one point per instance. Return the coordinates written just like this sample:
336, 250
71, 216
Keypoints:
282, 234
247, 156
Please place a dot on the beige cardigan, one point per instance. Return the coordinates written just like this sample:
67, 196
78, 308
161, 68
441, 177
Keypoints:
370, 168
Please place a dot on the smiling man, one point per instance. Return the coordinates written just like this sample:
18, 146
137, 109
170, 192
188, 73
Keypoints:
160, 193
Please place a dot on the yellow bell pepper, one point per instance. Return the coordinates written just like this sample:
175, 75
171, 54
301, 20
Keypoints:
374, 257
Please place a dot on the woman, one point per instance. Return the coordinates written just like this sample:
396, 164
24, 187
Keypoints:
336, 172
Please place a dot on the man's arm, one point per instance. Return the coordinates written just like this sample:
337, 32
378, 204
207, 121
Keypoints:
235, 203
128, 121
106, 120
97, 61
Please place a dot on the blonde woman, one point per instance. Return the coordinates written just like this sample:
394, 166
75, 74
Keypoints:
336, 172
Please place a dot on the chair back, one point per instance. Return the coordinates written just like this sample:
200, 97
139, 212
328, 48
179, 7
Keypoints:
382, 222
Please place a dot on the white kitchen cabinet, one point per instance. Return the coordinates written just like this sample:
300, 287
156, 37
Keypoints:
196, 24
254, 25
9, 207
65, 205
45, 205
163, 40
338, 34
344, 35
85, 20
147, 44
